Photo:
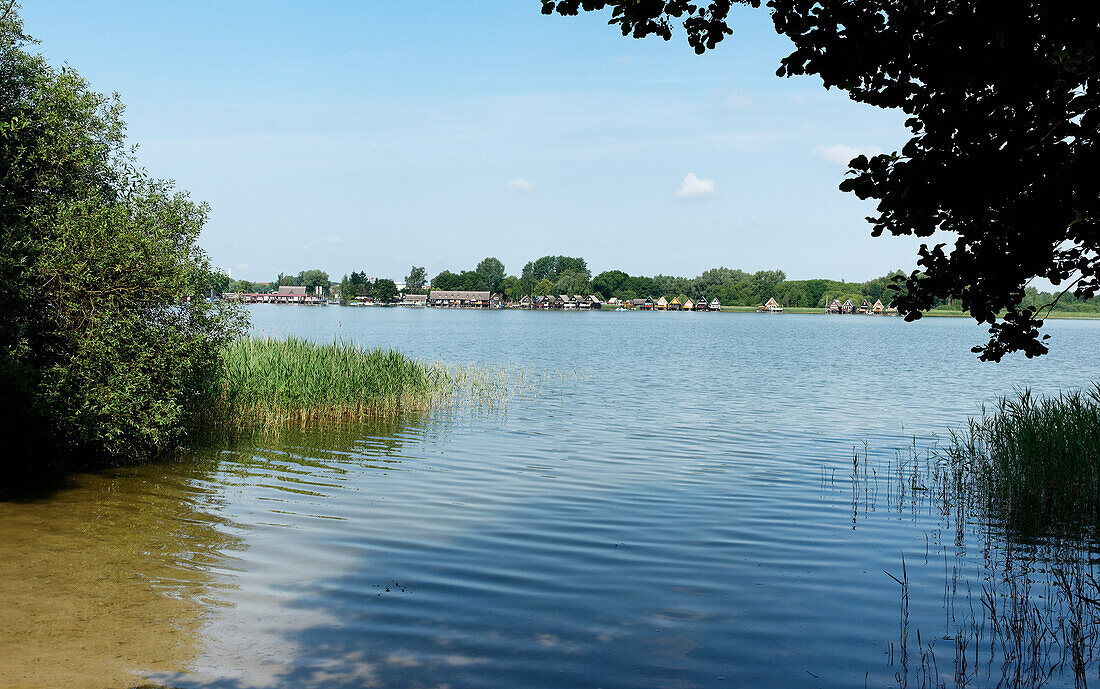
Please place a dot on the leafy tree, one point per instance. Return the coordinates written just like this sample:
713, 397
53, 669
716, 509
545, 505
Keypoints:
218, 282
107, 348
1002, 153
347, 290
312, 279
384, 290
551, 267
446, 280
513, 290
416, 279
544, 287
491, 271
641, 286
244, 286
608, 283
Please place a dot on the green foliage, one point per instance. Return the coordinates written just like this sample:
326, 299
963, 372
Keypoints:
383, 290
271, 383
1002, 153
416, 279
247, 287
466, 280
491, 272
310, 279
1035, 457
218, 282
513, 290
544, 286
552, 268
608, 283
107, 344
346, 290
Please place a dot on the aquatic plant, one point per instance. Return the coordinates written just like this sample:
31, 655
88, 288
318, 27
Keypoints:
1034, 458
273, 383
1022, 479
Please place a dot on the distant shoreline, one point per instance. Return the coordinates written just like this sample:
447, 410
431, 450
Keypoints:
817, 311
935, 313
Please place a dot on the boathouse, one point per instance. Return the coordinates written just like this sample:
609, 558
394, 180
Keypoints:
689, 305
459, 299
770, 306
675, 305
847, 306
715, 305
414, 300
877, 308
285, 295
662, 304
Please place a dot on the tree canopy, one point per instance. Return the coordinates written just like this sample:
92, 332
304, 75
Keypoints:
416, 279
492, 271
1001, 99
107, 344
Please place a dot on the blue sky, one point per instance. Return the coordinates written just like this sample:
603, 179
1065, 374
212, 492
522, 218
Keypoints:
377, 135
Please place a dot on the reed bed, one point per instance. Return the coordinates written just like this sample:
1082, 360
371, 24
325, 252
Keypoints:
1034, 457
1022, 480
268, 384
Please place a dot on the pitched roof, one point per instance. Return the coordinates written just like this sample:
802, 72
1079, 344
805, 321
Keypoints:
292, 289
460, 294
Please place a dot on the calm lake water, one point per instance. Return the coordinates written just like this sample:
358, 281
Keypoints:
672, 505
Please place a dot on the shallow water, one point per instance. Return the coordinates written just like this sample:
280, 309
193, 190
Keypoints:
671, 507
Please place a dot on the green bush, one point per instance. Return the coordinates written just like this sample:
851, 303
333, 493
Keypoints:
1035, 458
107, 347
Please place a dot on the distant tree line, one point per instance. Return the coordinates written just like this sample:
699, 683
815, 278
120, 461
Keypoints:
310, 279
571, 275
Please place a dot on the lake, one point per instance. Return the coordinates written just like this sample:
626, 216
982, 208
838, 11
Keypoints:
670, 503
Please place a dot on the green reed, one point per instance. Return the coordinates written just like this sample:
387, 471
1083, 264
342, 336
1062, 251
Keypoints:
1034, 457
269, 384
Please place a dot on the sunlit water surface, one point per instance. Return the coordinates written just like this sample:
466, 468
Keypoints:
670, 505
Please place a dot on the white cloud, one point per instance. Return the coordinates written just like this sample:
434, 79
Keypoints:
840, 154
521, 184
693, 187
334, 240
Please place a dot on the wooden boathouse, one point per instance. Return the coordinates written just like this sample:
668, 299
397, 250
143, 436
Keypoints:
460, 299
